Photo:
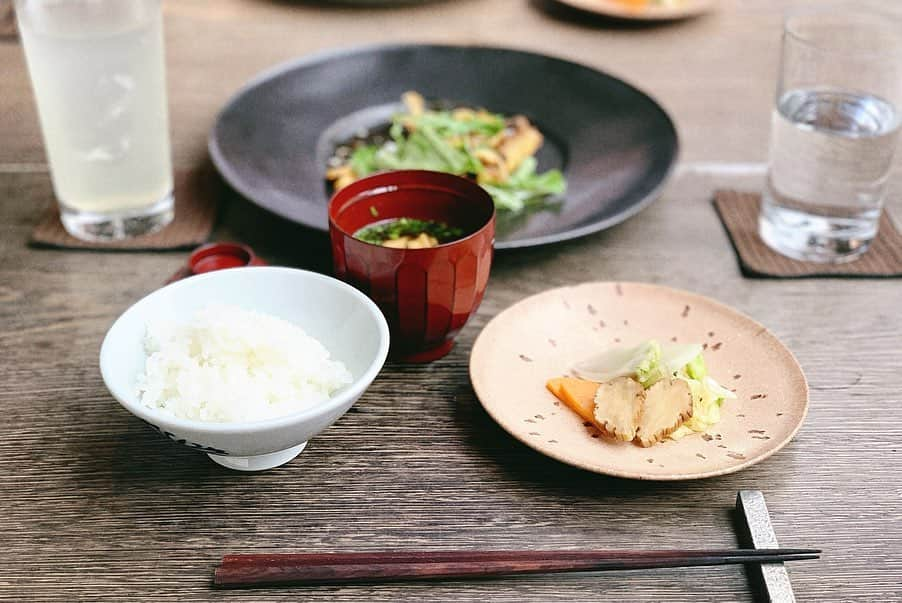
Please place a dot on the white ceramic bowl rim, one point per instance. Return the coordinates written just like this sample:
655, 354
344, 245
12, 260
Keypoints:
355, 389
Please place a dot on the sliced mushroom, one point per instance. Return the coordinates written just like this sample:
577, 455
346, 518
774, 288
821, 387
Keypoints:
494, 167
523, 142
341, 176
414, 102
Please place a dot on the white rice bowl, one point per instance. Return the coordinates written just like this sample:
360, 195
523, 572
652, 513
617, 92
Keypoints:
229, 365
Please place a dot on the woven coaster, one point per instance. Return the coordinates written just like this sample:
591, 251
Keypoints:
7, 20
739, 213
196, 192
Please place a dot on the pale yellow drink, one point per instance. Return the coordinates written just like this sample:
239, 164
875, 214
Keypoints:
98, 74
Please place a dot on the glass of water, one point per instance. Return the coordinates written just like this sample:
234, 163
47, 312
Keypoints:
98, 75
834, 132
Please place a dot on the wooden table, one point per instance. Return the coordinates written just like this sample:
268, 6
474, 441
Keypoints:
95, 506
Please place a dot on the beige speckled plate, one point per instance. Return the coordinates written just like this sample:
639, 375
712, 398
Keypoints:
651, 12
544, 335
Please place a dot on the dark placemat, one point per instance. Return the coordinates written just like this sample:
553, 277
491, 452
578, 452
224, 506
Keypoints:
739, 213
196, 192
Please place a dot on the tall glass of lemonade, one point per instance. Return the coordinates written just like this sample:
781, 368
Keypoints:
98, 75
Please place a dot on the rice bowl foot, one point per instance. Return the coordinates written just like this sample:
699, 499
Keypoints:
261, 462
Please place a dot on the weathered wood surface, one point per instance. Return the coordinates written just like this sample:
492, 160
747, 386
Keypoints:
94, 506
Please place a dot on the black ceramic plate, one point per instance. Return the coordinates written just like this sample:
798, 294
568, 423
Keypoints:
615, 145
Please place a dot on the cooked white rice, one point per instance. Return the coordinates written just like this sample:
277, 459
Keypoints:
234, 365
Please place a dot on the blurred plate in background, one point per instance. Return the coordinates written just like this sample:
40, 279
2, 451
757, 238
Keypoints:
644, 10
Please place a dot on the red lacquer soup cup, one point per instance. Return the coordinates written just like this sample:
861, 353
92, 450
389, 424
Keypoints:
427, 295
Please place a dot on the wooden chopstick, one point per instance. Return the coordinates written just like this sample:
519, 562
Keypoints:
341, 568
382, 557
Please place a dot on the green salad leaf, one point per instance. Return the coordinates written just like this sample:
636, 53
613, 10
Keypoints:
525, 186
650, 370
363, 159
437, 140
696, 368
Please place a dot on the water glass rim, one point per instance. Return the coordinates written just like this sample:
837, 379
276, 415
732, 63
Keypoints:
847, 8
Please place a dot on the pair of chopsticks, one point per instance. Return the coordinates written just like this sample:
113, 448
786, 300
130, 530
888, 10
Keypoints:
344, 568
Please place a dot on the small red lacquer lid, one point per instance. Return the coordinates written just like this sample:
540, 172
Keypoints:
217, 256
